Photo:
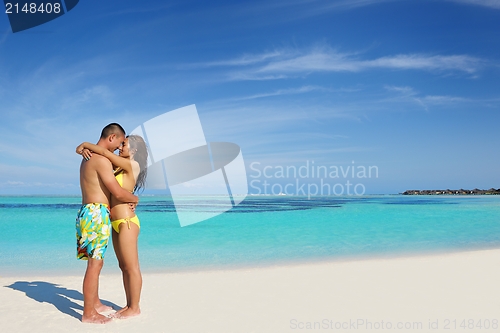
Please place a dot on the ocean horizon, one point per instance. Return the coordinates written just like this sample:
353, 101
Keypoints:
262, 230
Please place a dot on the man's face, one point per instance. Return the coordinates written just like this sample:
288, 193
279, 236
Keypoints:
116, 141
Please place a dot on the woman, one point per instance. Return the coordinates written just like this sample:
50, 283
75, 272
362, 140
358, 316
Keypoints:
130, 172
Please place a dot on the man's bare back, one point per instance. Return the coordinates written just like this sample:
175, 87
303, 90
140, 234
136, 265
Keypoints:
93, 189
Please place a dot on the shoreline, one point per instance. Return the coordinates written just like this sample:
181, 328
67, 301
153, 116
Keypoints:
245, 266
410, 289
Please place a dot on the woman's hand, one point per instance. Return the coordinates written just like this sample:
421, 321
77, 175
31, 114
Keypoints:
87, 154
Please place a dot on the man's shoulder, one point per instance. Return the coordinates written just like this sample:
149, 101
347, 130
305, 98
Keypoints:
98, 157
99, 161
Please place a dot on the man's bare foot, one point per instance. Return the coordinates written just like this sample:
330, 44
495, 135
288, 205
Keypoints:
96, 319
101, 308
128, 313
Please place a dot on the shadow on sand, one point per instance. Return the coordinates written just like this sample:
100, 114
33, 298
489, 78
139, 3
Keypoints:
54, 294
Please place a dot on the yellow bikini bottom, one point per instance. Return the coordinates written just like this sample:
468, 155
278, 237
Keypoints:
116, 223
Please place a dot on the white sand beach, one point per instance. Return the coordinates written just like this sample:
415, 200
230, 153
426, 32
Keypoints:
432, 293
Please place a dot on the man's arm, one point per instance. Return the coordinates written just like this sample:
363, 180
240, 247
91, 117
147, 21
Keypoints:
118, 161
105, 172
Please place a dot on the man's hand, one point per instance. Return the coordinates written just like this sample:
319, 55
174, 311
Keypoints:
132, 206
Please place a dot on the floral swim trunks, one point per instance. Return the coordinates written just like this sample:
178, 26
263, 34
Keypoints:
93, 228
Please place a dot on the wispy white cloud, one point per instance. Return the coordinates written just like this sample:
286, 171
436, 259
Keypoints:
485, 3
463, 63
443, 100
409, 94
253, 76
280, 92
402, 90
292, 63
241, 61
332, 61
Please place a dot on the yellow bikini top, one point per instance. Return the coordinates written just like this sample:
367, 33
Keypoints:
119, 177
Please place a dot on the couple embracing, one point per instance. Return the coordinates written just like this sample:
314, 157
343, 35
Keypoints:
108, 183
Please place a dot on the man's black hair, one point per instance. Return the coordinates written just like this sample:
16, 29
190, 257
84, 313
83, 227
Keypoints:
112, 128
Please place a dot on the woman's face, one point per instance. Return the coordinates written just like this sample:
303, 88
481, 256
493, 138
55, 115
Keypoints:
125, 149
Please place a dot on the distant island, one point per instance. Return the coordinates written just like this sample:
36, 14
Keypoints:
475, 191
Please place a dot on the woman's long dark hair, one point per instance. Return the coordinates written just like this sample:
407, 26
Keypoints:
141, 156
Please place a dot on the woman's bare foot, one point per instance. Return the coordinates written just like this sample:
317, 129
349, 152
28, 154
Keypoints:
96, 319
121, 310
127, 313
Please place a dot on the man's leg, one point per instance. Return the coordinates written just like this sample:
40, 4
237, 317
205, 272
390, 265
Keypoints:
98, 305
90, 293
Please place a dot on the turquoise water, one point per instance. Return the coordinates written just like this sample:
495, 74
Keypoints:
38, 233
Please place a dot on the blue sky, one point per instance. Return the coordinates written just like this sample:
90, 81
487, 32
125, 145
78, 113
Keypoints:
411, 87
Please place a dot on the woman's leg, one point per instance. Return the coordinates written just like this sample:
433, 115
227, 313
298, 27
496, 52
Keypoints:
119, 256
129, 264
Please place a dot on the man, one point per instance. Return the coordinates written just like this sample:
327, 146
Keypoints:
93, 224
